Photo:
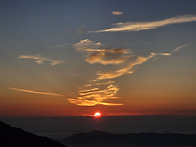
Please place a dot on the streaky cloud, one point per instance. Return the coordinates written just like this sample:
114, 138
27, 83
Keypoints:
138, 26
39, 59
104, 83
117, 12
87, 85
36, 92
180, 47
95, 96
93, 83
128, 69
88, 90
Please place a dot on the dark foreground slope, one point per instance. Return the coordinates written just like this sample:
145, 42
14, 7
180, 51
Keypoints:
103, 139
15, 137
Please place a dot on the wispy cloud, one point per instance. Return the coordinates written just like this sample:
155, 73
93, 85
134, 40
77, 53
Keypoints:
137, 26
94, 96
36, 92
128, 69
39, 59
96, 53
98, 83
97, 92
180, 47
105, 83
117, 12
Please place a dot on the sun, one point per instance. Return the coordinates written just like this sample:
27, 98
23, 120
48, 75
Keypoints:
97, 114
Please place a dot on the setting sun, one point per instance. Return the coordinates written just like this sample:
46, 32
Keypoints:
97, 114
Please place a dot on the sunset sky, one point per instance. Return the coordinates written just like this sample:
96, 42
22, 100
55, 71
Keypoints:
76, 57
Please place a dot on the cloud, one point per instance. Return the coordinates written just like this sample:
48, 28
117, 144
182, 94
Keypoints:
93, 92
96, 53
87, 85
36, 92
92, 83
137, 26
87, 45
95, 96
107, 56
117, 12
128, 69
105, 83
180, 47
38, 59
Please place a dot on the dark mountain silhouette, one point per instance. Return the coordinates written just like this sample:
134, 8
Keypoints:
103, 139
16, 137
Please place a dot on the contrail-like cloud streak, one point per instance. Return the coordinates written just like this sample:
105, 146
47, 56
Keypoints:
138, 26
39, 59
129, 68
36, 92
180, 47
117, 12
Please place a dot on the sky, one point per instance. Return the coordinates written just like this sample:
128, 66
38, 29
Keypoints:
119, 57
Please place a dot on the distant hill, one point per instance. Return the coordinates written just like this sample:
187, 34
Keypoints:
16, 137
103, 139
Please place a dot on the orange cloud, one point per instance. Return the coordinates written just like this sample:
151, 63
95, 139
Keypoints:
36, 92
135, 60
94, 96
93, 93
97, 54
117, 12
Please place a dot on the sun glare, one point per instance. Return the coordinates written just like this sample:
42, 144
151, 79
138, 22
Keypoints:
97, 114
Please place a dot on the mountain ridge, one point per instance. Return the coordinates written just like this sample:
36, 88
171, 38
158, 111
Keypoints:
16, 137
97, 138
